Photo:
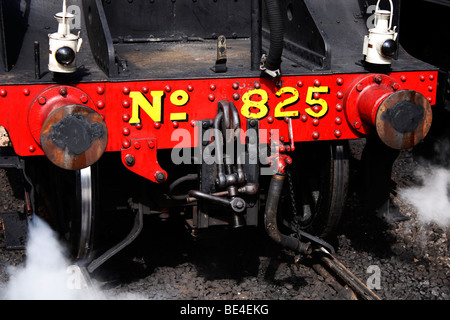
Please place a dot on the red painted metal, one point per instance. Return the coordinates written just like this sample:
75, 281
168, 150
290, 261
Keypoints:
320, 107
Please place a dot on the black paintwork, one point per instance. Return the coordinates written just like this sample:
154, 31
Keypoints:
126, 40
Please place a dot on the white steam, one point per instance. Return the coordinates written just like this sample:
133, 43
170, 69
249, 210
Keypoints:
431, 199
47, 273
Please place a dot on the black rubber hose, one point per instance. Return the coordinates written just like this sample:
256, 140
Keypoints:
176, 183
273, 60
273, 197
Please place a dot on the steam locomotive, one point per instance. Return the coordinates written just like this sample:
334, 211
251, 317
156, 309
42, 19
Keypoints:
230, 114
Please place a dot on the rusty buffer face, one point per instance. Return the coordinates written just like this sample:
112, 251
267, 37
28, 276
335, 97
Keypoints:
74, 137
403, 119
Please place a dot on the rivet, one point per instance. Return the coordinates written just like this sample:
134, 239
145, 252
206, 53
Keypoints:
139, 126
126, 103
211, 97
31, 148
26, 92
431, 77
126, 90
270, 119
42, 101
3, 92
286, 119
190, 88
300, 84
317, 83
168, 88
151, 144
395, 86
340, 81
129, 160
340, 94
236, 96
422, 77
430, 99
257, 85
378, 79
100, 90
339, 107
359, 87
316, 109
193, 123
315, 135
126, 131
337, 133
157, 125
338, 120
316, 95
212, 87
304, 118
84, 99
175, 124
126, 144
315, 122
235, 85
100, 104
282, 138
430, 88
126, 117
144, 89
403, 78
357, 124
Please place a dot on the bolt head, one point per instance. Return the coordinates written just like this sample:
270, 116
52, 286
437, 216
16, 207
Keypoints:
160, 176
129, 160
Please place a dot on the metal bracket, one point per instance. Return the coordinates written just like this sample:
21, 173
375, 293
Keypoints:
221, 62
141, 158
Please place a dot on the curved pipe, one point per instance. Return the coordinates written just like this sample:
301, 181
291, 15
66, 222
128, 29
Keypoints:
176, 183
275, 18
270, 216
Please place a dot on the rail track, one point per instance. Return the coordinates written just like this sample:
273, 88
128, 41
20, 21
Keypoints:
334, 270
346, 284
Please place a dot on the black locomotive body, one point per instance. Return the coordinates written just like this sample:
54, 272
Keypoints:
226, 113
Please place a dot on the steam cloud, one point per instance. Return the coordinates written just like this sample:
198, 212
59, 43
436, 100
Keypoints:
48, 274
432, 198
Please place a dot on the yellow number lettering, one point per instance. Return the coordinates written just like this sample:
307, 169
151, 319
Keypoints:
141, 102
311, 101
255, 109
179, 98
279, 113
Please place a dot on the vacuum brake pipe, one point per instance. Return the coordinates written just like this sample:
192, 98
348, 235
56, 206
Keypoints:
273, 59
270, 218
